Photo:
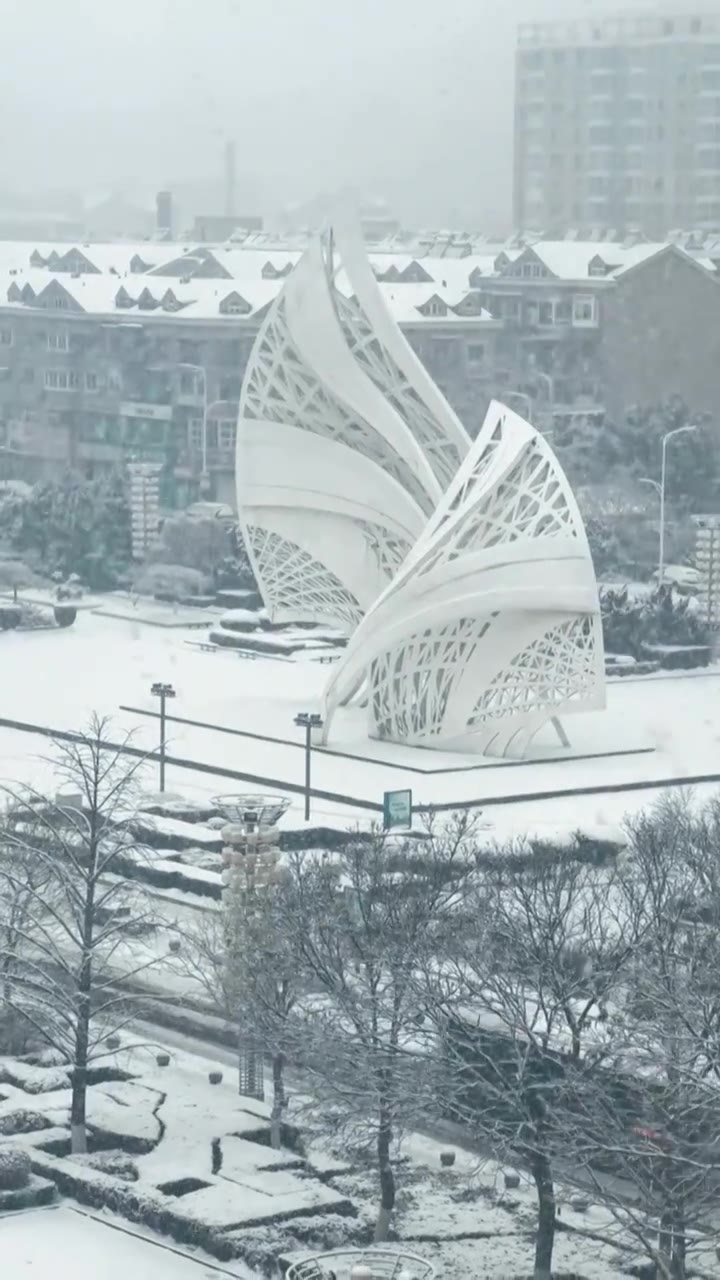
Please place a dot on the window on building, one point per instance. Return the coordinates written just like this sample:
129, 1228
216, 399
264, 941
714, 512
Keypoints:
58, 340
191, 382
563, 312
435, 307
62, 379
475, 352
545, 313
635, 107
195, 433
227, 430
91, 382
584, 311
6, 337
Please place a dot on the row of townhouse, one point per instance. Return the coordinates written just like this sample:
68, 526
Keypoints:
111, 352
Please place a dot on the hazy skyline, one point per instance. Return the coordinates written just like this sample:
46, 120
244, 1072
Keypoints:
405, 99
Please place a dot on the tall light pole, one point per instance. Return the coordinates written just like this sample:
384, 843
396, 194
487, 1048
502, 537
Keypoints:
677, 431
163, 692
308, 720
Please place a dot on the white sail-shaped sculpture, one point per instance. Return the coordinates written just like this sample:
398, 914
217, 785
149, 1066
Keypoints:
345, 446
492, 626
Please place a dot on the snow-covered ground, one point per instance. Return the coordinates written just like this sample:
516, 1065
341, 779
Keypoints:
463, 1219
66, 1243
59, 677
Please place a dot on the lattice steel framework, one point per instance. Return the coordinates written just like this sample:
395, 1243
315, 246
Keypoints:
345, 446
295, 581
491, 626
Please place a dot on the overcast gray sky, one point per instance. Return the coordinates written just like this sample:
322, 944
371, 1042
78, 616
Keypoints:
411, 99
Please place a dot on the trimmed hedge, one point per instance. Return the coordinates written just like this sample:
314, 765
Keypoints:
149, 873
331, 838
23, 1121
96, 1189
14, 1168
157, 838
39, 1191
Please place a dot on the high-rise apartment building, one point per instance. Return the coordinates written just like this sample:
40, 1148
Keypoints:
617, 124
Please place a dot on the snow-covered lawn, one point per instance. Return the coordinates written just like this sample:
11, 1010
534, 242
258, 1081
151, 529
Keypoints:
67, 1244
59, 677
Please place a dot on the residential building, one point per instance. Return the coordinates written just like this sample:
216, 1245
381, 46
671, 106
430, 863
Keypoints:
617, 123
126, 352
120, 352
660, 335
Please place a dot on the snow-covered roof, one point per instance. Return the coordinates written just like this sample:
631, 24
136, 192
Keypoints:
570, 259
642, 252
256, 273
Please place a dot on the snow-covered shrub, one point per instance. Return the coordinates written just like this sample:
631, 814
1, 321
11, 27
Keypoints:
14, 1168
169, 581
22, 1121
15, 573
114, 1163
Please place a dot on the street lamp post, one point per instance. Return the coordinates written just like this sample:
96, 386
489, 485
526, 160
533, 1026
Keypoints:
677, 431
163, 692
308, 720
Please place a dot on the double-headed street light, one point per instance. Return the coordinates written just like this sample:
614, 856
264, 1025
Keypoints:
308, 720
163, 692
659, 487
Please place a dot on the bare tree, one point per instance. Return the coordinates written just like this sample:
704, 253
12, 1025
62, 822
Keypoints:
657, 1129
23, 878
522, 999
363, 921
243, 960
81, 915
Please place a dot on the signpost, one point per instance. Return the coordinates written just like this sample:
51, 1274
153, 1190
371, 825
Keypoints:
707, 560
397, 809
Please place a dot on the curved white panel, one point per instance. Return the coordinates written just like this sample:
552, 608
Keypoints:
492, 625
339, 460
380, 349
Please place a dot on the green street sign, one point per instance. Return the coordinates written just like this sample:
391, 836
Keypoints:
397, 809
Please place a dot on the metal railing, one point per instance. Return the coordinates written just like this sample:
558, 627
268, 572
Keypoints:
382, 1264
